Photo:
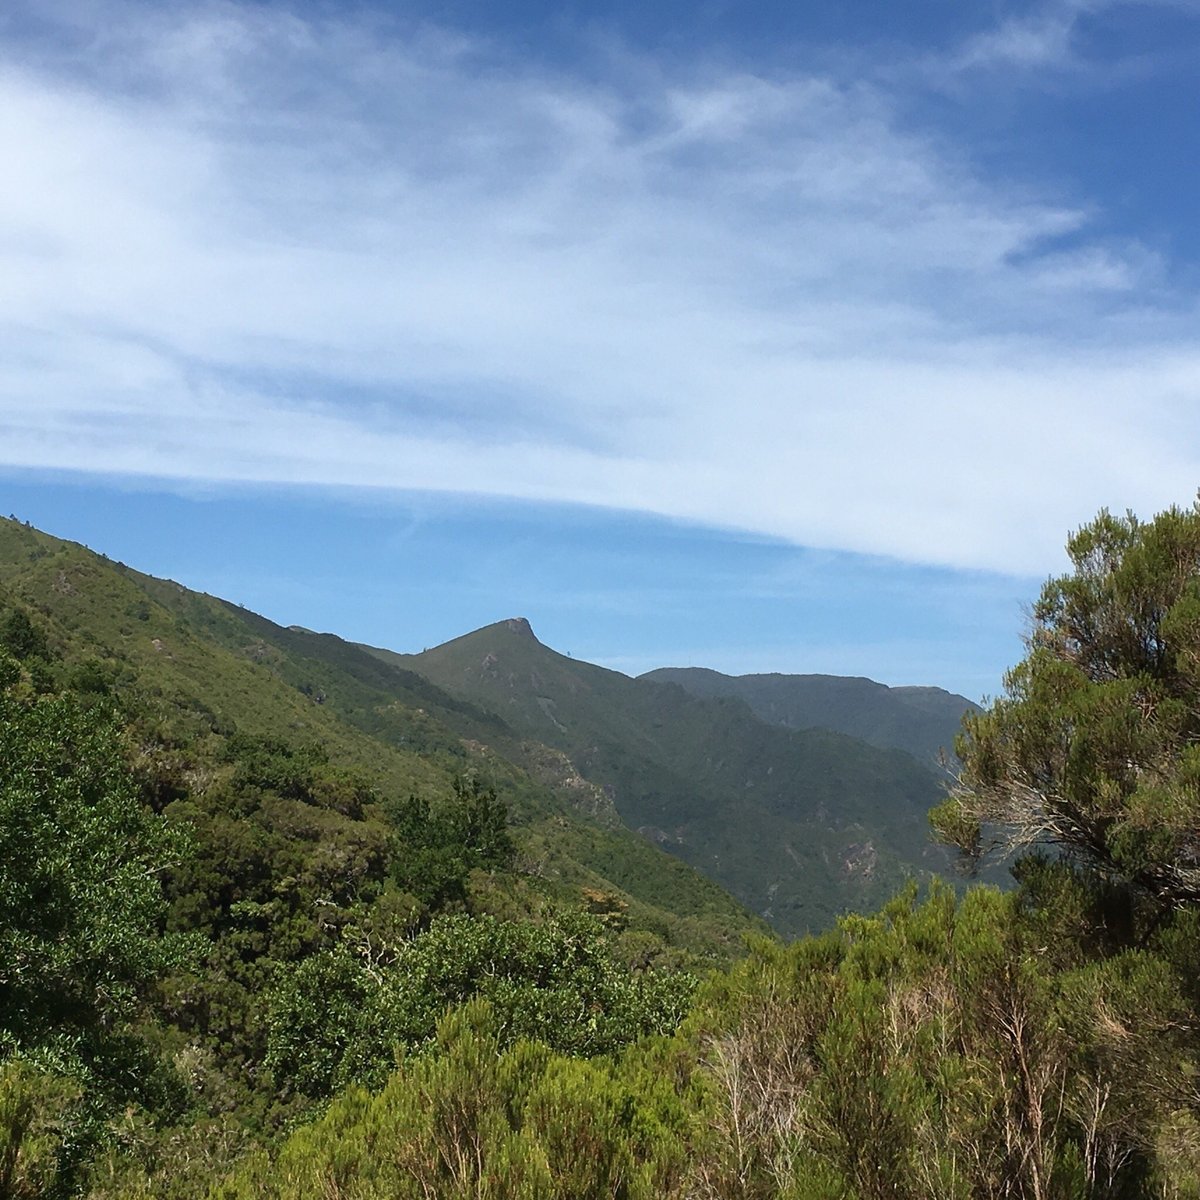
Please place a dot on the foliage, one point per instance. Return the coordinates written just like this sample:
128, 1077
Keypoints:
435, 849
21, 637
343, 1015
80, 896
288, 849
1095, 747
37, 1112
941, 1049
483, 1117
937, 1050
80, 907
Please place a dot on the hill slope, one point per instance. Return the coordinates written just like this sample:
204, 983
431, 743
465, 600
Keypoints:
203, 668
921, 720
798, 825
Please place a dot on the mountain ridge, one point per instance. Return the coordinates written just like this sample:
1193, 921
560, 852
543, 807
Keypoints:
208, 667
604, 771
798, 824
921, 720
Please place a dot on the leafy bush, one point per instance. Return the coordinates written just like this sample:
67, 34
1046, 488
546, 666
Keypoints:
435, 849
339, 1017
80, 906
484, 1116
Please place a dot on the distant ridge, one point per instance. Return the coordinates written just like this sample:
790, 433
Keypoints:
799, 824
920, 720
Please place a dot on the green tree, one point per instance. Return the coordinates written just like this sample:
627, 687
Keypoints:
436, 848
1095, 746
80, 908
341, 1016
80, 898
479, 819
20, 637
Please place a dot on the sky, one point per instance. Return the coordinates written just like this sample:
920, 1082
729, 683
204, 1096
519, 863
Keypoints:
757, 335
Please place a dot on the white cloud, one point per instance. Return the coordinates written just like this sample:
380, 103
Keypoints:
235, 245
1045, 38
1041, 39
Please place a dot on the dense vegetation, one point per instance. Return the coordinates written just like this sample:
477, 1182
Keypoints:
235, 968
201, 939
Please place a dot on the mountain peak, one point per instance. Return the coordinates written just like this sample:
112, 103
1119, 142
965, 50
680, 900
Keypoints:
521, 626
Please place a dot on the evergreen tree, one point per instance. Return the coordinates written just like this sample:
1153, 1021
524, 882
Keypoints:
1095, 746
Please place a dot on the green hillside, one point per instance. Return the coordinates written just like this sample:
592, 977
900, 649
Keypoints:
924, 721
799, 825
601, 772
236, 965
200, 669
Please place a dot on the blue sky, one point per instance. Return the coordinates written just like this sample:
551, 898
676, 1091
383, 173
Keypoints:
760, 336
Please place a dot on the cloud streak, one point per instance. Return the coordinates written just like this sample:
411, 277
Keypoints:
237, 245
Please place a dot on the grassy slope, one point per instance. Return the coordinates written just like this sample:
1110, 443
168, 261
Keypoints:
198, 661
919, 720
798, 825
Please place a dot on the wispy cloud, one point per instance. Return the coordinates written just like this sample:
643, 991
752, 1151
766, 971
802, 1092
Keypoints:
240, 245
1033, 40
1045, 38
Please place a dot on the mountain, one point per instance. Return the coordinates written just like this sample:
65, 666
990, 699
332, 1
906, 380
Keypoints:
921, 720
688, 810
799, 825
201, 671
